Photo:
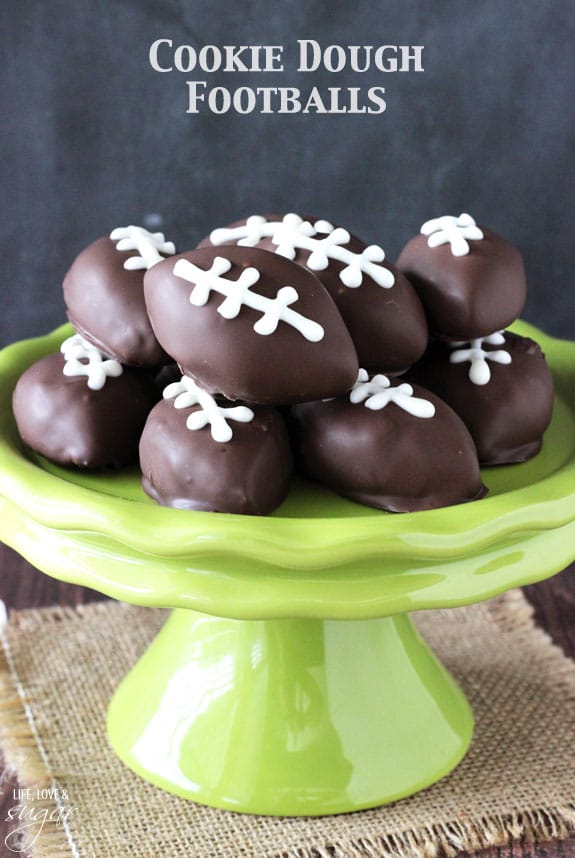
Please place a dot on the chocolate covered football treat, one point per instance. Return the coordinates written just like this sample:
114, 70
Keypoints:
470, 280
390, 445
199, 452
500, 386
104, 295
250, 325
378, 304
79, 407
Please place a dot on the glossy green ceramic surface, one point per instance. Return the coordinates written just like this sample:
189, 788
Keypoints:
289, 717
293, 684
318, 556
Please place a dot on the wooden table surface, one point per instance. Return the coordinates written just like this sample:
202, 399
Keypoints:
21, 586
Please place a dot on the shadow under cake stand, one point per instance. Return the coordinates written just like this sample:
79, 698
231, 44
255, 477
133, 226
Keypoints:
289, 679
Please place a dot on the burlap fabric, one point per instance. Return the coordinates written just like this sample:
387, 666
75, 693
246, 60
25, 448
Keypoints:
60, 669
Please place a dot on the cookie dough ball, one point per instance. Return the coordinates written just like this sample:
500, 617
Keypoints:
63, 419
470, 280
389, 445
250, 325
377, 303
105, 299
202, 453
500, 386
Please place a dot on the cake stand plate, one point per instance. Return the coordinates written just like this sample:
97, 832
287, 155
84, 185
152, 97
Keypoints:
289, 679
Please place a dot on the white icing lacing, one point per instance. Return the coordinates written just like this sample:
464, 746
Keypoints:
378, 392
82, 358
293, 233
148, 244
479, 371
454, 230
237, 295
187, 393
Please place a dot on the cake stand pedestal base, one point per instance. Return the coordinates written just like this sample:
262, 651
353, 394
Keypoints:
289, 717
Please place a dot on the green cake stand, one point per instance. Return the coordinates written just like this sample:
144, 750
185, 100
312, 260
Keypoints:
289, 679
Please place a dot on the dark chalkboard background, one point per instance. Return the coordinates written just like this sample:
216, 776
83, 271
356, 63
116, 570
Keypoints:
93, 138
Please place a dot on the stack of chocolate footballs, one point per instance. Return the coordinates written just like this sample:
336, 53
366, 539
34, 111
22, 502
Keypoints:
287, 338
472, 285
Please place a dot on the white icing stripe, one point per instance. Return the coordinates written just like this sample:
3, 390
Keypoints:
377, 393
82, 358
237, 294
187, 393
293, 233
454, 230
479, 371
149, 245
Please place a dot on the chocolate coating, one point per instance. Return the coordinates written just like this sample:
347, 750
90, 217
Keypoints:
508, 415
187, 469
227, 356
106, 305
467, 296
389, 459
61, 418
387, 326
